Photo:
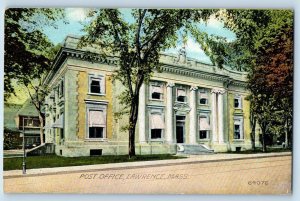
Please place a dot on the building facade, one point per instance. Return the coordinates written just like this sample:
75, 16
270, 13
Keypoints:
188, 104
20, 119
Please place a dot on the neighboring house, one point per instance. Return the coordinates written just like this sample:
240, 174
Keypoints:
15, 115
12, 138
189, 104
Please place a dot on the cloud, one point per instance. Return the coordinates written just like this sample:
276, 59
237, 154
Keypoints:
214, 23
193, 46
76, 14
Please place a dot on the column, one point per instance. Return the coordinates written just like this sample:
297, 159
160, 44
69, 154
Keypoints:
214, 116
142, 114
221, 115
169, 113
193, 114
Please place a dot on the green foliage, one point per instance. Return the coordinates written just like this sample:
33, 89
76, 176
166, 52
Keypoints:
28, 52
49, 161
11, 139
265, 49
138, 45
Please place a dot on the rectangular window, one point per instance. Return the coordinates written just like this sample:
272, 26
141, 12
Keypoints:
204, 127
95, 132
181, 95
238, 102
156, 133
238, 128
30, 122
203, 134
97, 123
157, 125
156, 92
36, 122
96, 84
203, 97
237, 132
62, 136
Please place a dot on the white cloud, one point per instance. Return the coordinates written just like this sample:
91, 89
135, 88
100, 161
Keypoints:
193, 46
76, 14
213, 22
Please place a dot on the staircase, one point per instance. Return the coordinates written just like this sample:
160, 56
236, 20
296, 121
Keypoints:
193, 149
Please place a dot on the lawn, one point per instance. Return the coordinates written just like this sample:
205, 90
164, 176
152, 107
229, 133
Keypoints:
49, 161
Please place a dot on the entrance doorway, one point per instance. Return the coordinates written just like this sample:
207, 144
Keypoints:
180, 129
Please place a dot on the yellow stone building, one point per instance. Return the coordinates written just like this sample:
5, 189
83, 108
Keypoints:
191, 107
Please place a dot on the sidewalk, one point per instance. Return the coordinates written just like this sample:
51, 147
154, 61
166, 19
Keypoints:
131, 165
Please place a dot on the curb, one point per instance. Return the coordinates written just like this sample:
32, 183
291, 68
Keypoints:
144, 165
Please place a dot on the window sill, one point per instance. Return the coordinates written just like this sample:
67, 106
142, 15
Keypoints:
181, 102
96, 94
204, 140
238, 140
160, 100
96, 140
157, 140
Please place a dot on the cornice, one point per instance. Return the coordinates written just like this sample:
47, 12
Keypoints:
114, 62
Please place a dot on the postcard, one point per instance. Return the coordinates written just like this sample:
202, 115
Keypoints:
148, 101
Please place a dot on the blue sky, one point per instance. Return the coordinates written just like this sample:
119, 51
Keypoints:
76, 16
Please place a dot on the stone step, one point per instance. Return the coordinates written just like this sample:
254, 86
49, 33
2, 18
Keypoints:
193, 149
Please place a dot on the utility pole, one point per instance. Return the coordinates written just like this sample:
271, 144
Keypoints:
24, 152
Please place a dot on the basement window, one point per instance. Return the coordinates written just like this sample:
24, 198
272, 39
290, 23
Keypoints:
95, 152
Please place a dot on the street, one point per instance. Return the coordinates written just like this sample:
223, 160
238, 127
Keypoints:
271, 175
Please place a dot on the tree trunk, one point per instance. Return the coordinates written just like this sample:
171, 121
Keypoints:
286, 134
264, 146
253, 126
41, 128
132, 125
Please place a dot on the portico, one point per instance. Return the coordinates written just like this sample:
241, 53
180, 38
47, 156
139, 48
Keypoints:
188, 119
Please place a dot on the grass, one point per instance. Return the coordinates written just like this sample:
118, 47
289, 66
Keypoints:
49, 161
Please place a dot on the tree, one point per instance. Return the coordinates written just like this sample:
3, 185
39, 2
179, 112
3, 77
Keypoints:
253, 119
265, 40
28, 52
138, 45
27, 49
275, 55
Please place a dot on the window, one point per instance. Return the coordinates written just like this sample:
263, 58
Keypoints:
30, 122
156, 92
97, 123
203, 97
62, 136
157, 125
203, 134
238, 102
238, 128
95, 132
237, 132
204, 127
181, 95
96, 84
156, 133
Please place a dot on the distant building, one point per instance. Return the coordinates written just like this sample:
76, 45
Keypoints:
189, 106
15, 115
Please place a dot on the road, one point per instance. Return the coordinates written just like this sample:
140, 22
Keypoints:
248, 176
